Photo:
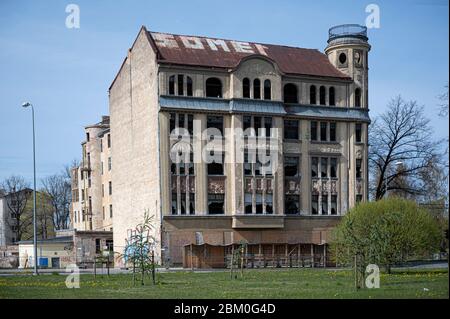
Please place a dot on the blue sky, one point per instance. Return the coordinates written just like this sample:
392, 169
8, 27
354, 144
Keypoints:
66, 73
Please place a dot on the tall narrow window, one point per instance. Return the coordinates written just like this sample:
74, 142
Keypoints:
291, 166
313, 131
248, 203
247, 122
213, 88
324, 205
333, 167
314, 167
333, 205
191, 203
312, 94
358, 168
324, 167
216, 203
322, 95
323, 131
110, 211
267, 90
331, 96
189, 90
180, 84
215, 122
358, 97
174, 204
259, 203
172, 85
269, 203
292, 204
110, 188
358, 130
172, 121
246, 88
333, 132
109, 140
256, 89
290, 93
315, 204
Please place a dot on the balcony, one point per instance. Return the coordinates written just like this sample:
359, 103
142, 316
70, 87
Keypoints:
257, 221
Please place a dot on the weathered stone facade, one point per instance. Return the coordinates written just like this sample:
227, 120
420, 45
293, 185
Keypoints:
321, 114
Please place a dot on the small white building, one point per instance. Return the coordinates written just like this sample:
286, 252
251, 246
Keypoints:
52, 253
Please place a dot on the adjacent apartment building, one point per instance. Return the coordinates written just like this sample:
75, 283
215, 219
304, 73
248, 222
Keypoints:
92, 208
306, 108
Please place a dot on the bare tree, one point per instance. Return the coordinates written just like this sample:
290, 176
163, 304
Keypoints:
402, 135
443, 105
18, 194
58, 189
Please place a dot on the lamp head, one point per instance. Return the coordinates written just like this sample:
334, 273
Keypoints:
26, 104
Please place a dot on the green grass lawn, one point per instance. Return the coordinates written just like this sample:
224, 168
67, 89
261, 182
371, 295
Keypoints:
292, 283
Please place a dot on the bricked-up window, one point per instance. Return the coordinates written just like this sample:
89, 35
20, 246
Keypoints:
180, 84
290, 93
331, 96
313, 131
216, 204
246, 88
358, 97
256, 89
267, 90
358, 132
109, 140
323, 131
332, 132
172, 85
312, 94
189, 90
110, 211
322, 95
291, 130
213, 88
358, 168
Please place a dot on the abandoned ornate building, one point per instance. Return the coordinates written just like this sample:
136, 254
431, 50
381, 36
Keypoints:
313, 107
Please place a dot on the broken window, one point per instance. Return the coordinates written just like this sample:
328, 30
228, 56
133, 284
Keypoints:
291, 166
323, 167
314, 167
333, 204
324, 204
290, 93
248, 203
216, 204
315, 204
213, 88
333, 167
292, 204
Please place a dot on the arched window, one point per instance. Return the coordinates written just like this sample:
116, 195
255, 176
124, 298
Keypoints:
213, 88
246, 88
322, 95
267, 90
358, 97
172, 85
312, 94
331, 97
256, 89
189, 91
290, 93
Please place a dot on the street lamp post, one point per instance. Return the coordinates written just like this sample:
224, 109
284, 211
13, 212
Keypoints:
27, 104
386, 177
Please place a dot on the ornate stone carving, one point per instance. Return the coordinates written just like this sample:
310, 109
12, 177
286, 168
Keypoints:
216, 185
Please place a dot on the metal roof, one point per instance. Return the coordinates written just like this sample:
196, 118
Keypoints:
221, 53
172, 102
